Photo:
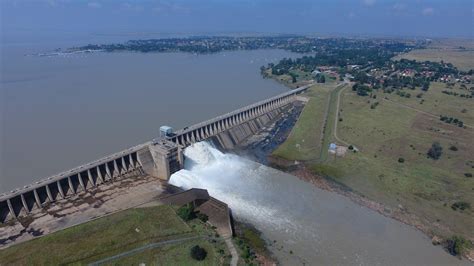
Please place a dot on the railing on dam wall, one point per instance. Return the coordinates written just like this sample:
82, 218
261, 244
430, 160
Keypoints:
211, 127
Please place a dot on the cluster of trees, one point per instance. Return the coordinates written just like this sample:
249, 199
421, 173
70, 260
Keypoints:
187, 213
458, 94
458, 245
320, 78
362, 90
451, 120
435, 151
460, 205
403, 94
406, 82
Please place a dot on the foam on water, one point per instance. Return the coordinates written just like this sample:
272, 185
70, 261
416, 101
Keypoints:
229, 178
320, 227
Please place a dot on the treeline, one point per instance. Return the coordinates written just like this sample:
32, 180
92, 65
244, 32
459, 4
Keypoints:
451, 120
294, 43
453, 93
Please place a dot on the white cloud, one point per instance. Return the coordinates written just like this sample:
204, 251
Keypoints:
132, 7
399, 6
351, 15
369, 2
427, 11
94, 5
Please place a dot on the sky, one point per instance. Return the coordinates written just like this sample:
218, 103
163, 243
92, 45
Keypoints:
423, 18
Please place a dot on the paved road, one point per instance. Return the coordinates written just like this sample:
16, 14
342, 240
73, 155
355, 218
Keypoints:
337, 113
233, 251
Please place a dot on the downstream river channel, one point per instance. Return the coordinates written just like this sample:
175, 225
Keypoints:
304, 224
61, 111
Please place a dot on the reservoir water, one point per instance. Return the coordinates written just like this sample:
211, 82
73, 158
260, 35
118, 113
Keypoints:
319, 227
59, 112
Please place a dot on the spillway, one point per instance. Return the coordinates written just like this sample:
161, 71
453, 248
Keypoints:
318, 226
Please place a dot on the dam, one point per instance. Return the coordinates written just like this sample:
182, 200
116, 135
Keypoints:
159, 158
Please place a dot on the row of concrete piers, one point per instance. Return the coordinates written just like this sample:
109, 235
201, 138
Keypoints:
222, 123
67, 185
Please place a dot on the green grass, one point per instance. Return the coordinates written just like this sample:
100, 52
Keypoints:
446, 50
464, 60
421, 185
103, 237
391, 131
438, 103
178, 254
304, 141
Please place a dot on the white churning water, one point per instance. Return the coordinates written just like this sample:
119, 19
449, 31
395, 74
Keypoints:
319, 227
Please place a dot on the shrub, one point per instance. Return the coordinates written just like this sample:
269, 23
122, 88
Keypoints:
435, 151
462, 205
198, 253
351, 147
453, 148
468, 174
458, 245
186, 212
203, 217
401, 160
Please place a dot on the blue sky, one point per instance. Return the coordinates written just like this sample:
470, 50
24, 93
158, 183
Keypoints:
426, 18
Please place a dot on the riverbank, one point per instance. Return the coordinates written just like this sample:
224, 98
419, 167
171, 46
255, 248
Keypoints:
327, 183
261, 147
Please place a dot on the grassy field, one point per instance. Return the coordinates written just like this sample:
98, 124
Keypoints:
420, 185
177, 254
387, 133
435, 102
304, 141
115, 234
447, 51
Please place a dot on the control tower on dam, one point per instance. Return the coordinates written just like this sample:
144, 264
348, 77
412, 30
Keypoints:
158, 158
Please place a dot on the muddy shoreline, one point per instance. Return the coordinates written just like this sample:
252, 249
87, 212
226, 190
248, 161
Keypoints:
260, 149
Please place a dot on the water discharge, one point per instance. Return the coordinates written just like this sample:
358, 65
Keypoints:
319, 227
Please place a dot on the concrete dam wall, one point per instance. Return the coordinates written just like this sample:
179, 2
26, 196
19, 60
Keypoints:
158, 158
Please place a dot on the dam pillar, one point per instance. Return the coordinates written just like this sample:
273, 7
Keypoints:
81, 182
60, 189
116, 172
124, 166
37, 198
99, 174
89, 176
10, 207
71, 186
48, 192
108, 174
24, 203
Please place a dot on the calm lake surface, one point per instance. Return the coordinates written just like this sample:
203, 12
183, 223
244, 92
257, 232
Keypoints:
59, 112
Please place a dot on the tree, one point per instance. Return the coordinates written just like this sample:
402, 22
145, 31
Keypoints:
426, 86
320, 78
186, 212
458, 245
435, 151
198, 253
